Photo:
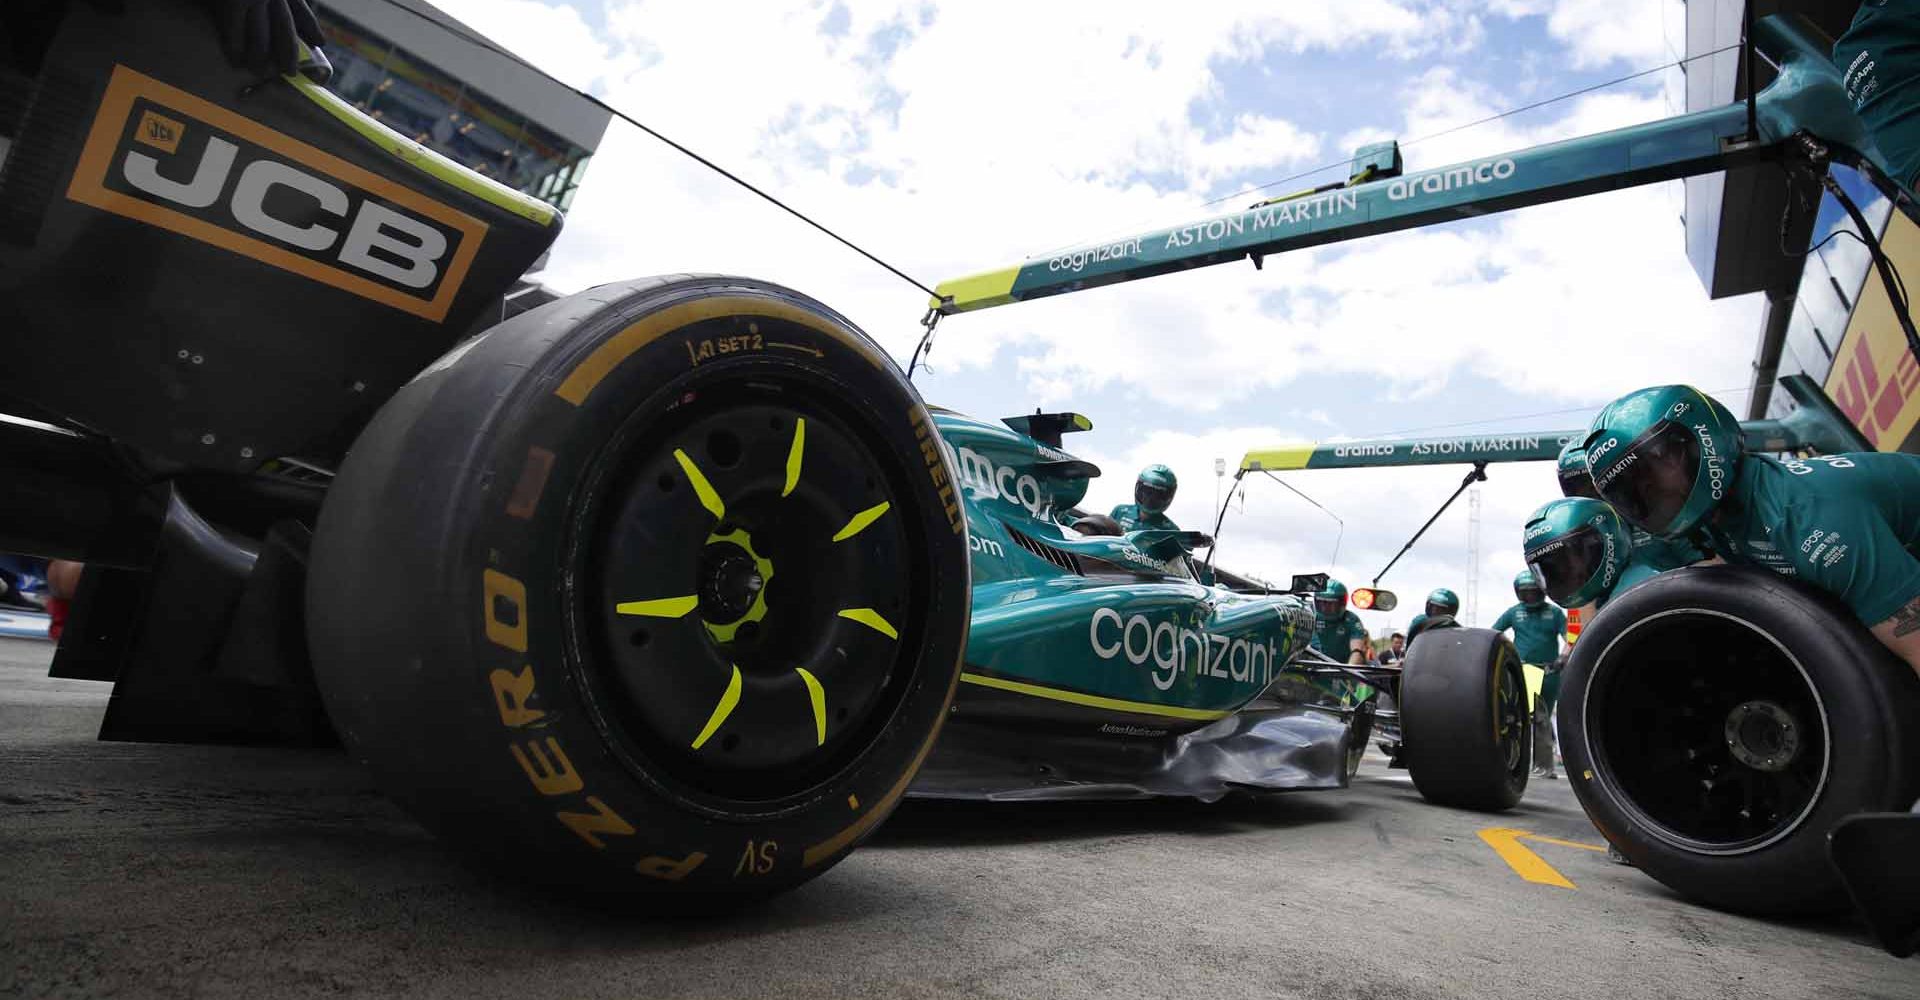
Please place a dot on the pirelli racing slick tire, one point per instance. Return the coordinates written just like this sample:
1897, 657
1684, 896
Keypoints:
1463, 718
1718, 722
658, 589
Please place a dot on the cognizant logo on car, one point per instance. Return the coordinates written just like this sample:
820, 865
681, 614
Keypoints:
1173, 649
162, 156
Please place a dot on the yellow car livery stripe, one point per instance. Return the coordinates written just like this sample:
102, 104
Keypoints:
1094, 700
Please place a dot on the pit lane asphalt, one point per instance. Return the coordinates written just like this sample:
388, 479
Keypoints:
146, 870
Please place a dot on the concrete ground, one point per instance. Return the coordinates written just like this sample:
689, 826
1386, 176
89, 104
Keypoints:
165, 871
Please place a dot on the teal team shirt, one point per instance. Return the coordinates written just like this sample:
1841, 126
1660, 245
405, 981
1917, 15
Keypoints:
1536, 631
1652, 556
1876, 58
1131, 519
1335, 638
1844, 523
1414, 627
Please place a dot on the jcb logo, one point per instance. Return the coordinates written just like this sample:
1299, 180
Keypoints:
167, 158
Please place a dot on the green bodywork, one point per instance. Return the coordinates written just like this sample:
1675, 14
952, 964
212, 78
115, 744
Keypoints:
1081, 626
1806, 95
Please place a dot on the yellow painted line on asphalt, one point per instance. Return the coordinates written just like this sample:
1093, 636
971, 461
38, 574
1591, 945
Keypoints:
1505, 842
1556, 841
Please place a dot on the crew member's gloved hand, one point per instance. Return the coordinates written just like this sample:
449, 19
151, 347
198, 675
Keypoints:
263, 35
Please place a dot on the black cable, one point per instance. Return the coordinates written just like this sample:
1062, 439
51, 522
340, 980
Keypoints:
1490, 118
1477, 475
1747, 56
636, 123
1889, 275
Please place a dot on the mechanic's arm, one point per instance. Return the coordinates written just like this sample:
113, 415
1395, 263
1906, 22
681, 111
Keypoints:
1357, 652
1855, 556
1901, 633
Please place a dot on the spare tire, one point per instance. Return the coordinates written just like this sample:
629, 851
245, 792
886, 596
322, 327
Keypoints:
1719, 721
1463, 718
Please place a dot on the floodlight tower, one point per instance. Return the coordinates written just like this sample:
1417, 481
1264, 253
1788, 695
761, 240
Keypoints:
1473, 556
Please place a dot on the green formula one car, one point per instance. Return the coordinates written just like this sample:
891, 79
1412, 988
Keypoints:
1102, 664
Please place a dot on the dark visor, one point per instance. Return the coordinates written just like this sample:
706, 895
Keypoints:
1565, 564
1152, 499
1654, 477
1436, 610
1576, 483
1328, 606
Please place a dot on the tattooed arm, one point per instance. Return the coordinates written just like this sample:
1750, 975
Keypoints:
1901, 633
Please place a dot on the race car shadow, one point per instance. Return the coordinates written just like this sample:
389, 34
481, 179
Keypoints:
946, 822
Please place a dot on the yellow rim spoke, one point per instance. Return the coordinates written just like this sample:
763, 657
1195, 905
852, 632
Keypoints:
861, 520
793, 456
871, 619
708, 498
720, 711
661, 607
818, 695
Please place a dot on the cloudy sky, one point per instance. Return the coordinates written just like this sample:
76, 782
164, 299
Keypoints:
952, 137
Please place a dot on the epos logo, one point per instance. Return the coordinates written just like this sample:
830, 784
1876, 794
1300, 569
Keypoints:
164, 157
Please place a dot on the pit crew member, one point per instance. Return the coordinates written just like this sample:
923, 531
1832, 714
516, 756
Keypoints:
1152, 495
1668, 459
1537, 627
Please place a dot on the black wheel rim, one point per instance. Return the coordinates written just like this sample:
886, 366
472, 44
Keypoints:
745, 589
1708, 731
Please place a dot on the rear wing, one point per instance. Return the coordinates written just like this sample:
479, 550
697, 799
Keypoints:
1806, 96
1816, 425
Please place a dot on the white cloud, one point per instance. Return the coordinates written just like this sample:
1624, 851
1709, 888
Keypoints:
962, 136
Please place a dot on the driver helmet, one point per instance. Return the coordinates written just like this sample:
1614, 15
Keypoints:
1664, 457
1576, 549
1331, 602
1574, 480
1443, 602
1153, 491
1527, 588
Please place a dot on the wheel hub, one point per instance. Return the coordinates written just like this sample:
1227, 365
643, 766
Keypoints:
745, 681
733, 583
1709, 733
1762, 735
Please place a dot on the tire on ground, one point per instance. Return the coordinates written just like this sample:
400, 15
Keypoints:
1676, 674
1463, 734
486, 609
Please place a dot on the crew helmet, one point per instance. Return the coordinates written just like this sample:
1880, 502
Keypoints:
1527, 588
1331, 602
1574, 480
1442, 602
1153, 491
1576, 548
1663, 457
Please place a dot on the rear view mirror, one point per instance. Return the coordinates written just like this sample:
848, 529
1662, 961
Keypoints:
1308, 583
1368, 599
